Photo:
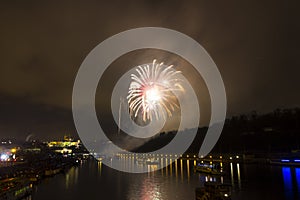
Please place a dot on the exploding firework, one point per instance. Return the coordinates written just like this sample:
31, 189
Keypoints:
151, 91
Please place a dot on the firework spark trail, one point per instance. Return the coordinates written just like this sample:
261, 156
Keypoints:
150, 92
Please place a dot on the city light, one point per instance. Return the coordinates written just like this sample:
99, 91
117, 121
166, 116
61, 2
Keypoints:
4, 157
285, 160
14, 150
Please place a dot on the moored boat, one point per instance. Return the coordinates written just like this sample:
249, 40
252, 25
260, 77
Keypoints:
208, 169
149, 161
213, 191
152, 162
15, 188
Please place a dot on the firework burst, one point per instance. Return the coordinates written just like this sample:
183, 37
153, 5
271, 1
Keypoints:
151, 91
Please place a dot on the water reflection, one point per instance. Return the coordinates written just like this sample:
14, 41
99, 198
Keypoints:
166, 167
297, 171
181, 170
71, 177
239, 175
188, 169
235, 173
287, 180
171, 171
95, 176
152, 168
147, 189
100, 167
231, 174
161, 161
153, 187
176, 172
275, 181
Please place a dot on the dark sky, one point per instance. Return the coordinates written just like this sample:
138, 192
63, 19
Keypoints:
255, 44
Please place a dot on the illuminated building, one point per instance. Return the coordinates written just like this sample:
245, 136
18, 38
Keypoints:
64, 147
67, 142
64, 151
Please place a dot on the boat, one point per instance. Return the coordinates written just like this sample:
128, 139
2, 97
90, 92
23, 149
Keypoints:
15, 189
208, 169
140, 161
213, 191
149, 161
152, 161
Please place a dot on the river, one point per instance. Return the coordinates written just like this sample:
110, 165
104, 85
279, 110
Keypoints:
93, 180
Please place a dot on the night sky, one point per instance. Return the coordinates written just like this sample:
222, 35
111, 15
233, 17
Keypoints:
255, 45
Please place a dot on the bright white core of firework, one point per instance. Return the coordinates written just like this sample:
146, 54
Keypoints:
152, 95
150, 91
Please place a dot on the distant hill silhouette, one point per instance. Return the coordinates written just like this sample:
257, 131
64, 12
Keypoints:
278, 131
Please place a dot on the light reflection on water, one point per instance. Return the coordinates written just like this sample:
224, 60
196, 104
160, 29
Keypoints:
231, 174
239, 175
177, 181
71, 177
297, 171
168, 183
291, 180
287, 180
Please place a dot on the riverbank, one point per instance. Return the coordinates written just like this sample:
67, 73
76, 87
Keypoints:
17, 179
